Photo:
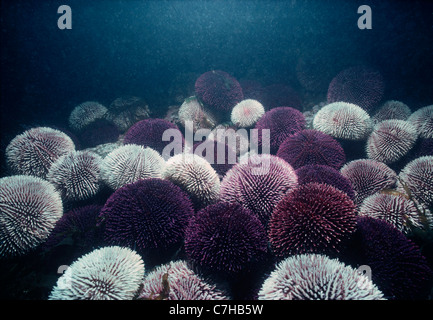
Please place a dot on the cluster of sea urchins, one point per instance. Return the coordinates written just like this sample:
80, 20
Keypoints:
150, 215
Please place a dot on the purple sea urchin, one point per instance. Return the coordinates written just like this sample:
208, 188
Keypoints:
34, 151
397, 266
107, 273
29, 210
368, 177
182, 282
417, 176
325, 174
314, 218
343, 120
218, 91
312, 147
225, 238
78, 225
359, 85
422, 120
246, 113
259, 184
148, 215
85, 113
317, 277
76, 175
391, 140
130, 163
150, 133
282, 122
195, 176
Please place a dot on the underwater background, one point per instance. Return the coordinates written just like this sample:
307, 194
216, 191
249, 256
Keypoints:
304, 63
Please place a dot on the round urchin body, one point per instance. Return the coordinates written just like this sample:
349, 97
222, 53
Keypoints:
191, 110
225, 239
312, 147
259, 184
76, 175
177, 281
148, 215
325, 174
129, 163
156, 133
399, 211
281, 123
107, 273
86, 113
343, 120
360, 85
417, 177
246, 113
422, 120
317, 277
368, 177
29, 209
314, 218
195, 176
397, 266
391, 140
218, 91
34, 151
392, 109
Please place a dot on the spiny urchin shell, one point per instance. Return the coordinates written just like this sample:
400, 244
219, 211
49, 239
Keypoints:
417, 175
76, 175
155, 133
246, 113
343, 120
195, 176
368, 177
397, 210
147, 215
325, 174
85, 113
259, 184
312, 147
314, 218
392, 109
182, 282
360, 85
317, 277
130, 163
218, 90
391, 140
397, 266
218, 154
225, 238
34, 151
108, 273
282, 122
29, 210
422, 120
